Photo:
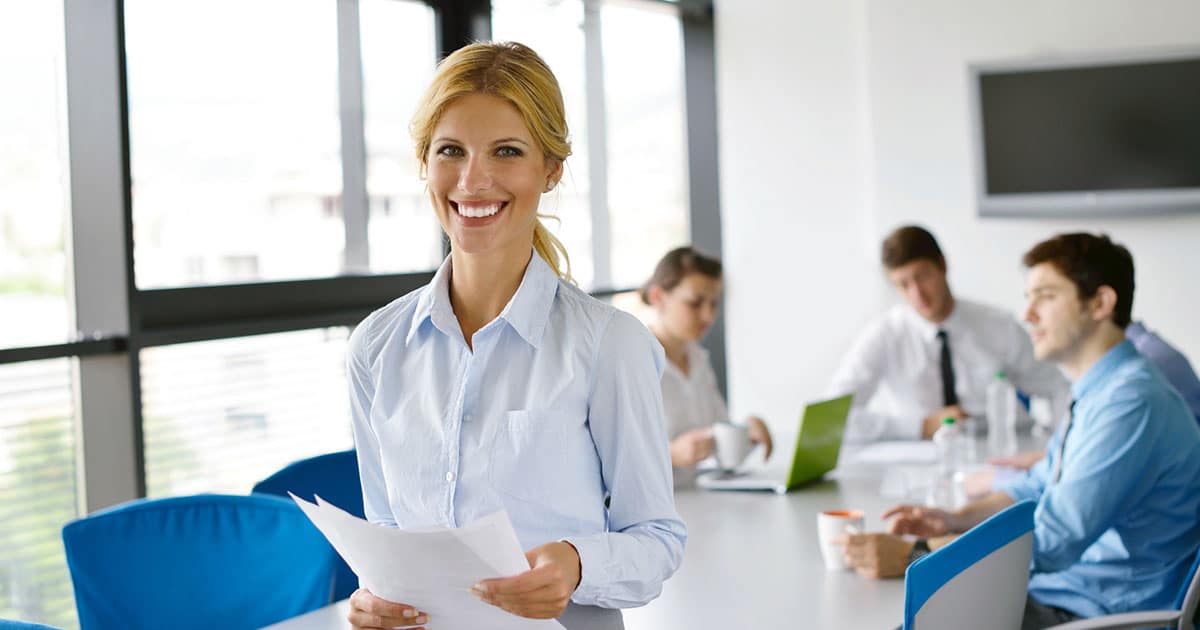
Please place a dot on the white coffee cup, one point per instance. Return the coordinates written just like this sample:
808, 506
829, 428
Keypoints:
830, 525
732, 444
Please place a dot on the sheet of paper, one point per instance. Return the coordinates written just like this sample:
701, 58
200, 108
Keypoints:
922, 452
430, 569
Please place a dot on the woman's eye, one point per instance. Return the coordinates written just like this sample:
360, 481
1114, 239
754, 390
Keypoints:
449, 151
508, 152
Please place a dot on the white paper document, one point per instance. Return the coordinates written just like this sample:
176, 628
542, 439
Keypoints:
430, 569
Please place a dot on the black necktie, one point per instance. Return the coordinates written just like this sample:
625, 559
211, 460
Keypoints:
1062, 448
949, 395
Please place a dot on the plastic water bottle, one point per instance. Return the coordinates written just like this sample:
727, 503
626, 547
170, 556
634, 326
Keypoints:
1002, 416
948, 491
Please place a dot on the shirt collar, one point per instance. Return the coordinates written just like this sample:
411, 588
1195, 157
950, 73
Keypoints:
929, 330
434, 304
527, 312
529, 309
1100, 371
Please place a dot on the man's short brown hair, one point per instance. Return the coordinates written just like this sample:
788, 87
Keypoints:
1090, 262
908, 243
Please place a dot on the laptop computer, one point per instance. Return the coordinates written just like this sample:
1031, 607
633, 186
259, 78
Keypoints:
818, 440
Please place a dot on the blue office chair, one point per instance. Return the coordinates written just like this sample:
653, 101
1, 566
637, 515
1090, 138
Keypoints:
1182, 617
13, 624
980, 580
205, 561
333, 476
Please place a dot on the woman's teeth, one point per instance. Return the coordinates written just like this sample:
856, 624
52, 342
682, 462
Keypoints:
476, 211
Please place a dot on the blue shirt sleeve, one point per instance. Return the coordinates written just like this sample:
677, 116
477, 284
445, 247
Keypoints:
1102, 473
627, 565
1032, 483
366, 443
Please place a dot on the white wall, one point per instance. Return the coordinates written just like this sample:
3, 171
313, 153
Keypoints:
794, 166
839, 121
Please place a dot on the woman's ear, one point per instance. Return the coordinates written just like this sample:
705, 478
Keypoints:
656, 295
554, 172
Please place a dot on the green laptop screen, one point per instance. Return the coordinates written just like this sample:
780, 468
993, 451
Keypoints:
819, 439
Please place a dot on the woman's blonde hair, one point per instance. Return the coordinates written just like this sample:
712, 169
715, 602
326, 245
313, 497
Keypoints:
516, 73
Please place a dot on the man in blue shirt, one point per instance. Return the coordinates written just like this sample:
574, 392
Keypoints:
1118, 516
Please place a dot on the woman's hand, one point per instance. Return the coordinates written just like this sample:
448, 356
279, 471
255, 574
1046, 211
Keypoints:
692, 447
544, 590
368, 612
759, 434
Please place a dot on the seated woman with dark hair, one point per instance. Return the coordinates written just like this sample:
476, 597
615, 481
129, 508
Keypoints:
685, 292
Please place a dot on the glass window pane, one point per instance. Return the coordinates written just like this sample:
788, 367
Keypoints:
37, 490
33, 192
554, 28
647, 145
398, 56
235, 140
219, 416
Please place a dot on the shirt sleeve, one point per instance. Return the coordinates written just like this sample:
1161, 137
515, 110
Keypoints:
860, 374
627, 565
1032, 483
366, 442
1102, 473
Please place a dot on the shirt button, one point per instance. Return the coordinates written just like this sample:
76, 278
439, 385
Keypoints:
467, 417
450, 476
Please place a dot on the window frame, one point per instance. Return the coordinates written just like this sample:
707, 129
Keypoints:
118, 319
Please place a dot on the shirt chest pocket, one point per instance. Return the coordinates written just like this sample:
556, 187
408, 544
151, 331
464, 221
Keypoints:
541, 455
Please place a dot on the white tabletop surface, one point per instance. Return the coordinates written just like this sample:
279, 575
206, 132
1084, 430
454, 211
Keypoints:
752, 561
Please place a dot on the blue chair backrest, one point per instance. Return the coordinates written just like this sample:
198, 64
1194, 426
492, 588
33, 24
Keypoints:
12, 624
204, 561
333, 476
983, 576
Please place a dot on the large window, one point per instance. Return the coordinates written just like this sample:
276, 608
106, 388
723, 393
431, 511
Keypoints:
630, 100
33, 199
270, 194
221, 415
37, 426
234, 140
647, 148
37, 490
554, 28
398, 56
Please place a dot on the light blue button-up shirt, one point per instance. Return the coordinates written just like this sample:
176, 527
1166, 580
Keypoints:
1118, 531
557, 409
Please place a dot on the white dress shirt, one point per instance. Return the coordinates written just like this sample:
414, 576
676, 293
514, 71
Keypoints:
692, 400
894, 369
556, 417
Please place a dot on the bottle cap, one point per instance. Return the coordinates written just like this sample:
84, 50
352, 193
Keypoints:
1001, 374
947, 421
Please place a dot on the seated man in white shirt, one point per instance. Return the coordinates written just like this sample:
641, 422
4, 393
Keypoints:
933, 356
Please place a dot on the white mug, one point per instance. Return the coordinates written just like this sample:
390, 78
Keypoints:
830, 525
732, 442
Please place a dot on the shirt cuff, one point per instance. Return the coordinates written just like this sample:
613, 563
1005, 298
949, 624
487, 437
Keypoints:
1018, 489
592, 554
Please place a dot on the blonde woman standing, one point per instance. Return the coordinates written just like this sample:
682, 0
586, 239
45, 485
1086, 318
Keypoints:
500, 385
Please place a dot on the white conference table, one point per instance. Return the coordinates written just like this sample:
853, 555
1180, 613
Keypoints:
752, 561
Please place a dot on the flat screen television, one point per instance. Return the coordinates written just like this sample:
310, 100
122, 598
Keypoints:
1088, 137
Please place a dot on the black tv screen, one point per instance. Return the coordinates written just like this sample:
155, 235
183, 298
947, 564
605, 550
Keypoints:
1111, 127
